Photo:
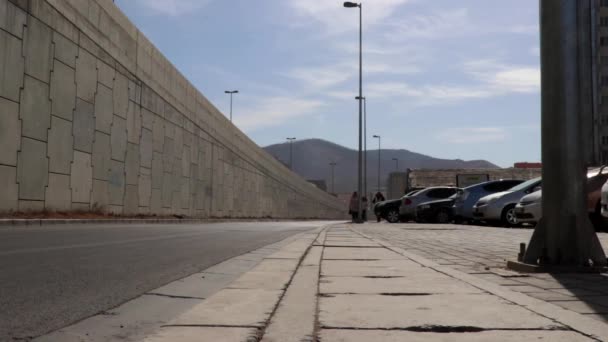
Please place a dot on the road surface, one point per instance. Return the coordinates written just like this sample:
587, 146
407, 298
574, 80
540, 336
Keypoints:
52, 276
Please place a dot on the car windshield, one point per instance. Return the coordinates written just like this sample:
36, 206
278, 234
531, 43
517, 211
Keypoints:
411, 193
525, 184
458, 193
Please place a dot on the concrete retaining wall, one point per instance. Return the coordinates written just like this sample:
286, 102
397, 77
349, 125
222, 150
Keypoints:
447, 177
93, 116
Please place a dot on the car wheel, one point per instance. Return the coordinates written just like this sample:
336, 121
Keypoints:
508, 218
442, 217
392, 216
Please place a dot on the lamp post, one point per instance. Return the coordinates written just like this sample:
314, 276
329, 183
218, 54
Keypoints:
364, 144
396, 164
231, 92
291, 152
360, 166
379, 146
333, 166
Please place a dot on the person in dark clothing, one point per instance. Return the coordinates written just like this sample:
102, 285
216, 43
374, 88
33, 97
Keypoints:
378, 197
353, 206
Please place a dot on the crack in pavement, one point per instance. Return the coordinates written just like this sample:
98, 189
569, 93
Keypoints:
172, 296
448, 329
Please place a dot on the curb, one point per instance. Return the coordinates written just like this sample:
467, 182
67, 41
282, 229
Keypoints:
41, 222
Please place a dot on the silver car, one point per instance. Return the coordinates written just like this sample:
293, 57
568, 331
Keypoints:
407, 210
463, 204
529, 208
500, 207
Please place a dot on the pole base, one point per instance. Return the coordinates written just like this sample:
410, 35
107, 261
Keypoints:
522, 267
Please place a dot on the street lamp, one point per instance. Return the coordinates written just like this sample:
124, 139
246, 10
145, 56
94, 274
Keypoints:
333, 166
349, 4
396, 164
379, 145
364, 144
231, 92
291, 152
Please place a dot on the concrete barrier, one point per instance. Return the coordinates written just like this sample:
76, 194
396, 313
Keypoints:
94, 117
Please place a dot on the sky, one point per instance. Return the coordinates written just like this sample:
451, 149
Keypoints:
450, 79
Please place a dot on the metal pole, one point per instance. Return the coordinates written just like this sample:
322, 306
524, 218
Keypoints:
291, 152
365, 145
379, 147
231, 107
360, 179
565, 236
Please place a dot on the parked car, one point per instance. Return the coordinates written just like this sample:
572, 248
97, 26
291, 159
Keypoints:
407, 210
439, 211
500, 207
389, 210
465, 200
529, 209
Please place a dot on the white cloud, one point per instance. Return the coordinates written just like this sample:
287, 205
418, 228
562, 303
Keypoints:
471, 135
275, 111
173, 7
444, 24
502, 78
524, 29
335, 18
535, 51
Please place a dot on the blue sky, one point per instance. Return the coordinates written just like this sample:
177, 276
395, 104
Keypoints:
451, 79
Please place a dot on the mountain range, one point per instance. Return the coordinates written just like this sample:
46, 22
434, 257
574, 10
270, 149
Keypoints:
312, 157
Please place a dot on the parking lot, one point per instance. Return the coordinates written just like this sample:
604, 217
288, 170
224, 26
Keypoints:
483, 251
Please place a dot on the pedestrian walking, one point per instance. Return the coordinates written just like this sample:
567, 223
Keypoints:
353, 206
378, 197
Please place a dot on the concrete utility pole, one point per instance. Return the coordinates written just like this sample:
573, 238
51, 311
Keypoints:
565, 236
291, 152
333, 165
364, 144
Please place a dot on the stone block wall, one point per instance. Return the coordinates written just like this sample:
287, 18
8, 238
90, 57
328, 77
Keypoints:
93, 117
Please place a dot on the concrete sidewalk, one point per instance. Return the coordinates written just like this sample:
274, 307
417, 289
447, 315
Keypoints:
335, 284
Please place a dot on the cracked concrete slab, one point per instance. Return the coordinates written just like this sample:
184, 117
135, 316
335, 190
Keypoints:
335, 335
203, 334
277, 265
360, 253
386, 312
346, 268
262, 280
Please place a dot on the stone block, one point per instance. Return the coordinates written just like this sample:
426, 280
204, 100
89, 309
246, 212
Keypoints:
168, 155
63, 90
116, 183
155, 201
31, 206
65, 50
81, 180
147, 118
158, 134
101, 156
185, 193
157, 170
61, 144
185, 165
119, 138
121, 95
167, 190
99, 195
58, 193
105, 74
32, 170
145, 148
131, 206
145, 187
12, 65
38, 49
134, 92
10, 191
12, 18
84, 126
35, 111
134, 123
86, 76
132, 164
10, 132
103, 109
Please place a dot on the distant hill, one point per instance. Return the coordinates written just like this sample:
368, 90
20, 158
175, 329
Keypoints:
312, 158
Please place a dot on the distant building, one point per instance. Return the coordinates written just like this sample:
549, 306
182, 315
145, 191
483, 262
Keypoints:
450, 177
526, 165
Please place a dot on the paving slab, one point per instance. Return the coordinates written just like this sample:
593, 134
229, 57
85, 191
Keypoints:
332, 335
294, 320
345, 253
471, 310
347, 268
234, 307
277, 265
435, 284
203, 334
262, 280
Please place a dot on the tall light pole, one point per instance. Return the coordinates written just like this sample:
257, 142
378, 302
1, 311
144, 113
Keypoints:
231, 92
396, 164
333, 166
379, 146
360, 166
291, 152
364, 144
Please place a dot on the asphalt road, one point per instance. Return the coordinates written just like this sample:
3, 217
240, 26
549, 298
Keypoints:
55, 275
